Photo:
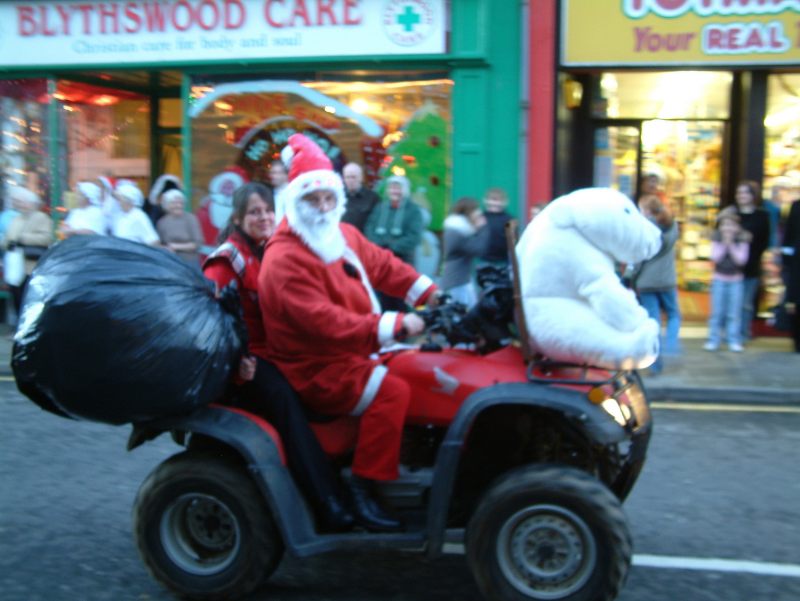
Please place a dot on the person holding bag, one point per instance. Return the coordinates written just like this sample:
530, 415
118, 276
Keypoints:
32, 231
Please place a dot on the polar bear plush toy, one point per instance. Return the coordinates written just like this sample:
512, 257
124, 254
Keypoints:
576, 309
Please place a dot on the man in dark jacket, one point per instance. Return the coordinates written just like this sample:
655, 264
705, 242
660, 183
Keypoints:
360, 199
495, 203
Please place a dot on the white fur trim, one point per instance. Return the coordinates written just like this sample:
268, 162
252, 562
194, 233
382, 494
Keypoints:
386, 327
417, 289
370, 390
319, 179
350, 256
460, 224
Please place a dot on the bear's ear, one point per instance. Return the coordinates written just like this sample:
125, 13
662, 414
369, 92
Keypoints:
561, 212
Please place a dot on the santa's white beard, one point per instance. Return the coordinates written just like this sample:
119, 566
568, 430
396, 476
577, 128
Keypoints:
320, 231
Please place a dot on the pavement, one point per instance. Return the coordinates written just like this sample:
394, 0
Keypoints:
767, 372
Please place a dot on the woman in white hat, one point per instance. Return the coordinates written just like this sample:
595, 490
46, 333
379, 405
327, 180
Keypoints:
87, 217
32, 230
132, 222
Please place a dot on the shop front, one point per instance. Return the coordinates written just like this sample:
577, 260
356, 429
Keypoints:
702, 94
211, 90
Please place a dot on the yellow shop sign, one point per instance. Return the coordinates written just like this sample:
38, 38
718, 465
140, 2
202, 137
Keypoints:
680, 32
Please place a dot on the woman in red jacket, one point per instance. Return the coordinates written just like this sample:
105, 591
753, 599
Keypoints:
262, 386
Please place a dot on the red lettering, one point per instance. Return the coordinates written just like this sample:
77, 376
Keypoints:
155, 16
26, 24
733, 38
43, 21
268, 13
229, 22
671, 4
133, 16
325, 7
301, 11
109, 13
86, 10
188, 11
214, 10
774, 39
348, 18
64, 14
714, 39
754, 38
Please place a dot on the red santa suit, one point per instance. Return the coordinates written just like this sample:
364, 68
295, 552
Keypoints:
325, 323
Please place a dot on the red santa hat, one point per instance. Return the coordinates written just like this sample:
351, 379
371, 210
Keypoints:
222, 186
309, 170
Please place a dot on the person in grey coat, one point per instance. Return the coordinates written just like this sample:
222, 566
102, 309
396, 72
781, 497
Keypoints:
656, 282
466, 238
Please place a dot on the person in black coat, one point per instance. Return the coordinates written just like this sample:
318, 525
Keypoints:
791, 270
495, 202
360, 199
754, 219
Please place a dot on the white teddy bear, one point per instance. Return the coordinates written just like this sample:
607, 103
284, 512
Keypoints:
576, 309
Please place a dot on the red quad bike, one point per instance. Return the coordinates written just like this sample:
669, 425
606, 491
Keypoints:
524, 462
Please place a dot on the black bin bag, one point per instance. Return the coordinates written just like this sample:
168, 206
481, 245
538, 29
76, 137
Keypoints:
114, 331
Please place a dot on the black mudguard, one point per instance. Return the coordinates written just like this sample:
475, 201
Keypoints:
590, 419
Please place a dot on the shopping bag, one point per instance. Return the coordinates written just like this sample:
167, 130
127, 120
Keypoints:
14, 266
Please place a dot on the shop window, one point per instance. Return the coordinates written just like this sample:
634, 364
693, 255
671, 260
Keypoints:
107, 133
664, 95
398, 125
24, 155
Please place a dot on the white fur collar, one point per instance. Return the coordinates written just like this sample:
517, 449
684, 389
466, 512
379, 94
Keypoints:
460, 224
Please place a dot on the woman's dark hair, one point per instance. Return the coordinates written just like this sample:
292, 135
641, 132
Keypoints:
755, 190
241, 196
465, 206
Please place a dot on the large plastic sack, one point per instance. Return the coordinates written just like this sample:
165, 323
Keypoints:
115, 331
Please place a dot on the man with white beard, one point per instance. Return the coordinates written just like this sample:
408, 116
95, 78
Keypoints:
323, 320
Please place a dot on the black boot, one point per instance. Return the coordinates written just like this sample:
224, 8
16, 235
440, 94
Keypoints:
334, 516
368, 512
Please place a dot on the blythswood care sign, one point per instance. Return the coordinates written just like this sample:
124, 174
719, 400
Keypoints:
83, 32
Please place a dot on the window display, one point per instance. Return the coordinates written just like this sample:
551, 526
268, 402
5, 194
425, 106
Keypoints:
107, 133
24, 156
397, 126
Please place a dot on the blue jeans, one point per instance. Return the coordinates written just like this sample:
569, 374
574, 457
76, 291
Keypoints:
749, 306
726, 310
654, 302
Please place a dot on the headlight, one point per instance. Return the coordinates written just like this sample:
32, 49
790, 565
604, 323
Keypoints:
620, 413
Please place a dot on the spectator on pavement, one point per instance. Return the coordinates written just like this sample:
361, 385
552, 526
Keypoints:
360, 199
180, 231
730, 248
755, 220
495, 201
466, 236
87, 218
656, 280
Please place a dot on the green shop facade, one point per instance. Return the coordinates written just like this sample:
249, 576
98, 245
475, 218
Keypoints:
201, 88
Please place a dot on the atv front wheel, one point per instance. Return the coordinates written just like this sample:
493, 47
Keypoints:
549, 533
203, 529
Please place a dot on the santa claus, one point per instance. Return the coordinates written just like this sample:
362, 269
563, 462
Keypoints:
317, 289
215, 208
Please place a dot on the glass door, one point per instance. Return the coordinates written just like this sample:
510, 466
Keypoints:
616, 157
687, 155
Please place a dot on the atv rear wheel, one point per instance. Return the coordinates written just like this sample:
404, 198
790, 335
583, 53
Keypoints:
203, 529
549, 533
